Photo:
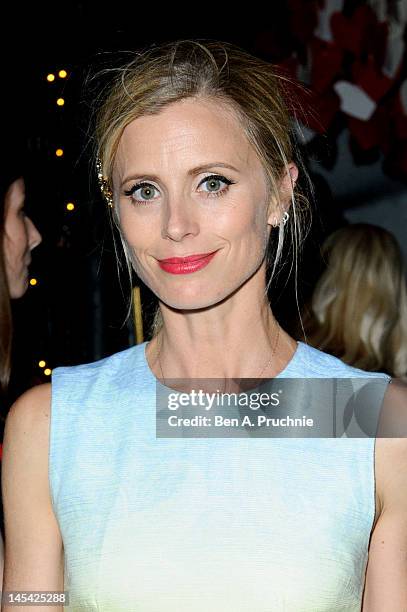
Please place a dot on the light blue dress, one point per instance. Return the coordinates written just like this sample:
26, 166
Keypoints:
203, 525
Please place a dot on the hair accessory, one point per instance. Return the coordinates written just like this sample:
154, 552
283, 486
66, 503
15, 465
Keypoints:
103, 184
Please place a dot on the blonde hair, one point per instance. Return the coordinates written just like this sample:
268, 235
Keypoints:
358, 310
209, 70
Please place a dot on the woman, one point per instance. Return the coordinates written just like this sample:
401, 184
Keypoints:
358, 310
198, 167
19, 238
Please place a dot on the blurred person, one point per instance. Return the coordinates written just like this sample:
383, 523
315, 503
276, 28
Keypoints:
19, 237
197, 160
358, 310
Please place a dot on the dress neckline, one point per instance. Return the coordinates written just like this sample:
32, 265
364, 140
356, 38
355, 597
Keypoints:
284, 373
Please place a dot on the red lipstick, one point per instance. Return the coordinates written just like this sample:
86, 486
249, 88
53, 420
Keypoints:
186, 265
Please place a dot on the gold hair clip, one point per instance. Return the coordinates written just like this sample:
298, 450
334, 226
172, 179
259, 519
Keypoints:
103, 184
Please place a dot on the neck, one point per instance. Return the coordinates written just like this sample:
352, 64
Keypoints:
198, 344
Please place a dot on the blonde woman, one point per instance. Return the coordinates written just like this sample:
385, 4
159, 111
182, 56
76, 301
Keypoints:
197, 163
358, 310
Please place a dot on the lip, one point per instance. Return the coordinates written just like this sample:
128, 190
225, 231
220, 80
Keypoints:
186, 265
187, 258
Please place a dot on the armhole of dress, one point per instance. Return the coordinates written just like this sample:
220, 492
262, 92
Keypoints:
373, 470
374, 491
52, 471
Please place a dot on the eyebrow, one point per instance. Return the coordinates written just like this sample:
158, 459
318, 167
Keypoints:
192, 172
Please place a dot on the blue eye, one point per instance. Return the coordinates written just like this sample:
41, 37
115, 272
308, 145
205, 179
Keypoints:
149, 188
217, 178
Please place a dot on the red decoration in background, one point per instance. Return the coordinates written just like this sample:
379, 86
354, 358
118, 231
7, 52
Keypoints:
348, 33
370, 79
360, 33
313, 109
303, 18
326, 64
319, 111
359, 50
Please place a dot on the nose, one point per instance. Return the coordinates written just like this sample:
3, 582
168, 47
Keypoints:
180, 220
34, 236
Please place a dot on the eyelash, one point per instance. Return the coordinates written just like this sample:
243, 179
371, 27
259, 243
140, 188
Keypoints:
216, 194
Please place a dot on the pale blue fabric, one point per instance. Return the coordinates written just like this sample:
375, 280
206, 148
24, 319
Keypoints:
214, 525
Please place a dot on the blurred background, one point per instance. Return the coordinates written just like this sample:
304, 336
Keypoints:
349, 54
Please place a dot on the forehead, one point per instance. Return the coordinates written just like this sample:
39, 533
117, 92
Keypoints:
205, 130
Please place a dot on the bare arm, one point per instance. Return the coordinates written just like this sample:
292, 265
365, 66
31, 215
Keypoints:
386, 576
33, 543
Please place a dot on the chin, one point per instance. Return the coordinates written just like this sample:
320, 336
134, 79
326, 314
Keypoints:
193, 302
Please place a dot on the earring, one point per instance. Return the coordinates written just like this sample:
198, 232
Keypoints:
103, 184
284, 220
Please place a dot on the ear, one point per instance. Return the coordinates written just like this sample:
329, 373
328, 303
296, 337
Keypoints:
286, 185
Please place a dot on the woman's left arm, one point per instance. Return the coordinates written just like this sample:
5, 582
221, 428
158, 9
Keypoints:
386, 574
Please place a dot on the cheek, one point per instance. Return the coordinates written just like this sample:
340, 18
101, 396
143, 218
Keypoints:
135, 223
11, 250
246, 224
15, 239
139, 236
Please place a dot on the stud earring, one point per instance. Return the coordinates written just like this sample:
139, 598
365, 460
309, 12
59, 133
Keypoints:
103, 184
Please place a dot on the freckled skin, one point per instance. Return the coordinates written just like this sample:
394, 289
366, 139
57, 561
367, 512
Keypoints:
20, 238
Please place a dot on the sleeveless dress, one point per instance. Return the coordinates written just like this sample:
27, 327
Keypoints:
203, 525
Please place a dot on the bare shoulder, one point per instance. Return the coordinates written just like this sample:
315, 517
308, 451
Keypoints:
26, 435
32, 402
29, 416
33, 543
391, 447
386, 576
